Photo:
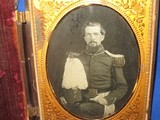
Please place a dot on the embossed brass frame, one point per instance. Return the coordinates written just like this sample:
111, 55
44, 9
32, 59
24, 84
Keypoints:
140, 14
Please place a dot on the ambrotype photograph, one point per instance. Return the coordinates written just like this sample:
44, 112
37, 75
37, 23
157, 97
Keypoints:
93, 62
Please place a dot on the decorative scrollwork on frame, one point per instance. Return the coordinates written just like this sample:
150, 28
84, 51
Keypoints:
135, 9
133, 111
50, 9
52, 112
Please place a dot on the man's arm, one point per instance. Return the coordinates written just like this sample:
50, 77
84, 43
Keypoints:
120, 89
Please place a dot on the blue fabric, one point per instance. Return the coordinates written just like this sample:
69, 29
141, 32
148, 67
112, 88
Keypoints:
21, 5
155, 114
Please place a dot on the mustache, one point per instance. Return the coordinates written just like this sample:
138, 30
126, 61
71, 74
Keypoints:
92, 42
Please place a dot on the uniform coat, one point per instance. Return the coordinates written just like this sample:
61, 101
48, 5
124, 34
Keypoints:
104, 74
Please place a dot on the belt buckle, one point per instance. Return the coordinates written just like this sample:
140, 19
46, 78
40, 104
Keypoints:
92, 92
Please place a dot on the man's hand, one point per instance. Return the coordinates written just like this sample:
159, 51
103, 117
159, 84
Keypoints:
101, 100
63, 100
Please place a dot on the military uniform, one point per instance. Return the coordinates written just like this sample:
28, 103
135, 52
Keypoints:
104, 74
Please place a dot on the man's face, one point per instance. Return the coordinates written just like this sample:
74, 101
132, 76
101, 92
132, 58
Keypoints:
93, 36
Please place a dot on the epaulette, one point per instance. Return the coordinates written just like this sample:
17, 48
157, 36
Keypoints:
74, 54
118, 59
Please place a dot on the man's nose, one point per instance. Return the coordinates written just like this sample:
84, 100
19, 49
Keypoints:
92, 37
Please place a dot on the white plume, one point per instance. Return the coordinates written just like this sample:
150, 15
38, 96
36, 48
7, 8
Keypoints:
74, 75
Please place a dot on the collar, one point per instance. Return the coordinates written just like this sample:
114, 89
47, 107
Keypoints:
100, 51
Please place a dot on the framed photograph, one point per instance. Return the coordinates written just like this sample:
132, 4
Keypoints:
94, 59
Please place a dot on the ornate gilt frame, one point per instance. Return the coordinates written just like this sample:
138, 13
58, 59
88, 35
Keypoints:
140, 14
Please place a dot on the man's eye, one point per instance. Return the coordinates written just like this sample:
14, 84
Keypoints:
96, 34
87, 35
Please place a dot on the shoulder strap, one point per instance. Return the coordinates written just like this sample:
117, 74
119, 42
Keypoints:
118, 60
74, 54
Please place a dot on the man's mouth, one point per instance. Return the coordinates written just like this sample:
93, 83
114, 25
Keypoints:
93, 44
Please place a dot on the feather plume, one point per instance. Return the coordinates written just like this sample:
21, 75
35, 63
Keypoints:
74, 75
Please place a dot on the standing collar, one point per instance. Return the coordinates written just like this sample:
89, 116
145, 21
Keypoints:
100, 51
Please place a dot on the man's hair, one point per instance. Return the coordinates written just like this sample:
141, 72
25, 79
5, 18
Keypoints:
93, 23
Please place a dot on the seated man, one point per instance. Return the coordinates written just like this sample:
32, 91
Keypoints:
106, 83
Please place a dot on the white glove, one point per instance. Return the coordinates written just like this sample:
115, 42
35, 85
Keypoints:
100, 100
63, 100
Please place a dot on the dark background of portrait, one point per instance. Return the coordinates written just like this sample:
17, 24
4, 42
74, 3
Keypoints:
67, 37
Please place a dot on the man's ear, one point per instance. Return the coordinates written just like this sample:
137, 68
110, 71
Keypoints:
103, 36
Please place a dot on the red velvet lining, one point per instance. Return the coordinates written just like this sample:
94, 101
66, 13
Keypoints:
12, 97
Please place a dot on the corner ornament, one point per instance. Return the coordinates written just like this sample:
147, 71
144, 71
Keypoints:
136, 9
